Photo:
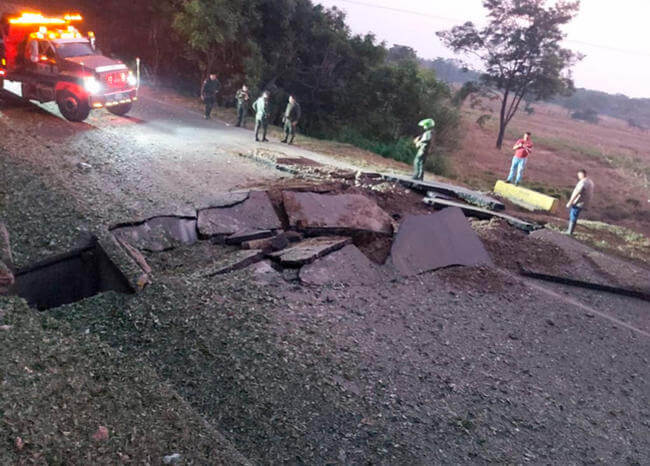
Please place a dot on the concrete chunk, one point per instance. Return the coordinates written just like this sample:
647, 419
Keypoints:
275, 243
526, 198
255, 213
347, 265
235, 261
430, 242
343, 213
249, 235
159, 233
309, 250
137, 274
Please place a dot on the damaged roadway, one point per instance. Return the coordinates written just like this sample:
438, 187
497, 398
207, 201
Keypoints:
458, 365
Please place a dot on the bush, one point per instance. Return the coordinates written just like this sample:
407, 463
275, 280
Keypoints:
588, 115
401, 150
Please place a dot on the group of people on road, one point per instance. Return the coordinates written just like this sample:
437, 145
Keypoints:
578, 202
261, 108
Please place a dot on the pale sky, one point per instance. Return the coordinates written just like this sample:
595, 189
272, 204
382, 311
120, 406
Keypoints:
614, 35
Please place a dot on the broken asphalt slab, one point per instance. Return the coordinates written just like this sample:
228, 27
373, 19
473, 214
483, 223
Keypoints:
309, 250
467, 195
347, 265
430, 242
590, 265
335, 213
159, 233
482, 214
256, 212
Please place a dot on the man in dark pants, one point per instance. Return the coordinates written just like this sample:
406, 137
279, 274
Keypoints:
209, 91
242, 102
261, 107
290, 119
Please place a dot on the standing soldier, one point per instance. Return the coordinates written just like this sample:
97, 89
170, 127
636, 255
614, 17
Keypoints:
261, 107
209, 91
422, 142
290, 119
242, 103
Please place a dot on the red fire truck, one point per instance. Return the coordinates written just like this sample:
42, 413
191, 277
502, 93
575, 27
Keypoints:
53, 61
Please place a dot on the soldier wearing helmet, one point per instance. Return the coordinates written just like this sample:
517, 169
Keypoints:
422, 143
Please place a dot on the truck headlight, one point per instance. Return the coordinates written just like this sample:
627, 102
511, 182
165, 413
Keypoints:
92, 85
131, 80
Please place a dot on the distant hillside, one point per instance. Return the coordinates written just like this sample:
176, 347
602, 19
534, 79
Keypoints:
636, 112
450, 70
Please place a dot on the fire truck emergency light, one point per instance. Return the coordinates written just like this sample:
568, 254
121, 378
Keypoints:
38, 18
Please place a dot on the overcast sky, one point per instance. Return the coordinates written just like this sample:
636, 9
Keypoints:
613, 34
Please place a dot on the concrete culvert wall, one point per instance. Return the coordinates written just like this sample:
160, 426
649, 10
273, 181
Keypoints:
69, 277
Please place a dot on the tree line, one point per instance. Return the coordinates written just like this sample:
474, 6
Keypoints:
346, 84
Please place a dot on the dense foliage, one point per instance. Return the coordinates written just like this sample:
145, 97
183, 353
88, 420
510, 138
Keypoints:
347, 86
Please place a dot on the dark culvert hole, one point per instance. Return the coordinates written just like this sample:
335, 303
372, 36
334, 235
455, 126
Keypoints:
69, 277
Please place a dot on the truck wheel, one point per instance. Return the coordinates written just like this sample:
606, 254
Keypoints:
120, 110
72, 107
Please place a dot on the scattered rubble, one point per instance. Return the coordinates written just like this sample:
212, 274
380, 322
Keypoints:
159, 233
347, 265
307, 251
430, 242
458, 192
342, 213
255, 213
483, 214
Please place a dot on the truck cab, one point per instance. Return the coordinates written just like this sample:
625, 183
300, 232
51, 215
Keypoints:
53, 61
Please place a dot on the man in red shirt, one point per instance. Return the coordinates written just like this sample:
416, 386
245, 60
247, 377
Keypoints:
522, 149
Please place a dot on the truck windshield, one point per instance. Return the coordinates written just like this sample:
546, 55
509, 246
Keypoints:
74, 49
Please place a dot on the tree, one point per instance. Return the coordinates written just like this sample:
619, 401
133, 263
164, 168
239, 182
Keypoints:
521, 52
212, 31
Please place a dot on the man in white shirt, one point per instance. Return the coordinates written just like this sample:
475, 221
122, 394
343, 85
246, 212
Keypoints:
580, 199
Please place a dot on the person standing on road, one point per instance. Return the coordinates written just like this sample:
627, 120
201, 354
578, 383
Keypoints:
209, 91
290, 119
523, 148
422, 143
261, 107
242, 102
579, 200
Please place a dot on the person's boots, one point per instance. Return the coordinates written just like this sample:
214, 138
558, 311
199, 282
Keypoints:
291, 140
572, 227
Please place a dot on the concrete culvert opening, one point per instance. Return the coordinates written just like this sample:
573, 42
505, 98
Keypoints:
69, 277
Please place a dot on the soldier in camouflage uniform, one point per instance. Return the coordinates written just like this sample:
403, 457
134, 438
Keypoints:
290, 119
423, 143
261, 107
242, 103
209, 91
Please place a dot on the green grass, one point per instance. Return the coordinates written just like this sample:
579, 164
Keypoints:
612, 159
